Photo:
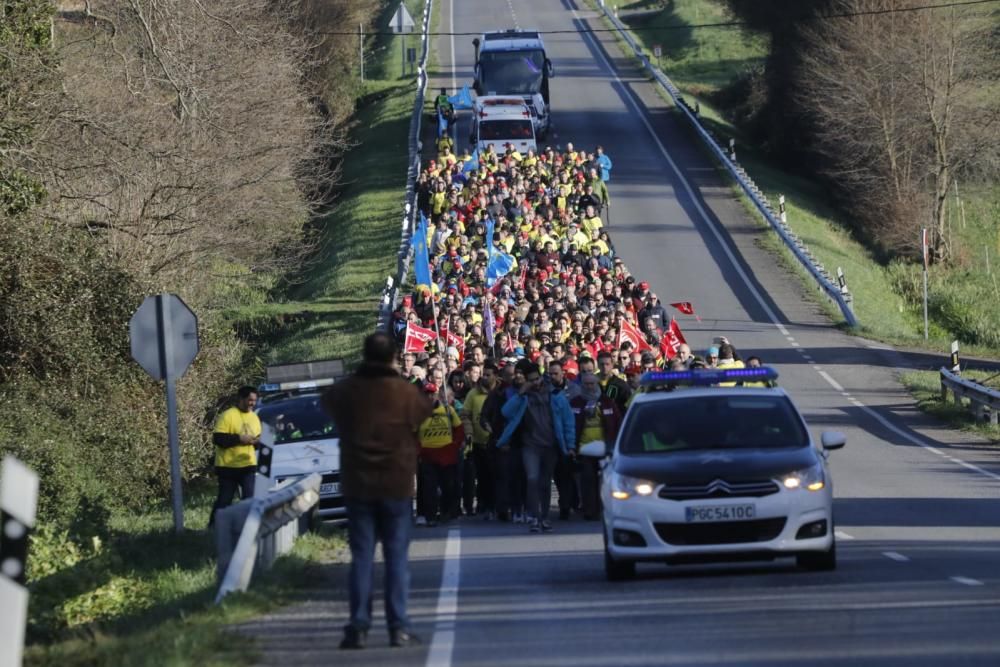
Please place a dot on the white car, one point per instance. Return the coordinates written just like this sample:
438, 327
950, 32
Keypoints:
304, 438
707, 473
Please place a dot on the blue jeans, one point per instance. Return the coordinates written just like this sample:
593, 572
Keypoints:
388, 521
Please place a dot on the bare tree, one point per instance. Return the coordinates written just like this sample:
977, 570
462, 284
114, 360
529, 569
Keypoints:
902, 109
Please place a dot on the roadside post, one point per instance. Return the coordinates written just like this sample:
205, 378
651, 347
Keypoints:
658, 53
18, 499
401, 24
164, 337
955, 366
923, 251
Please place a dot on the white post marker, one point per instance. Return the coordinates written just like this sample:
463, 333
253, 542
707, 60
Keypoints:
923, 249
18, 499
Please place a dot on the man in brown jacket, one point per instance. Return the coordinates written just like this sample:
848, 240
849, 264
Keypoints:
378, 413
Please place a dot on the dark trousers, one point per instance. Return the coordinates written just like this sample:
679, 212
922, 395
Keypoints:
485, 479
467, 480
438, 490
509, 475
539, 466
387, 521
231, 479
567, 475
590, 487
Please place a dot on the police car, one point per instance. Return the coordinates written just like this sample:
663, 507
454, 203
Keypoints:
706, 473
304, 438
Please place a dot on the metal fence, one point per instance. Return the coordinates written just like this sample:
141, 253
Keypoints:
257, 530
983, 401
390, 293
836, 292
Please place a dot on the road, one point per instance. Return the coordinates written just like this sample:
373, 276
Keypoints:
917, 509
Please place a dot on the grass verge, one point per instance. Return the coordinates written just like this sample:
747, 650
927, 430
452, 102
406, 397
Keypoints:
144, 596
926, 389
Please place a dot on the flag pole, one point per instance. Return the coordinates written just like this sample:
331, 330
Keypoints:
444, 352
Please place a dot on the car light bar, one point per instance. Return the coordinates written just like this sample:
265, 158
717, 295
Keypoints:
293, 386
708, 376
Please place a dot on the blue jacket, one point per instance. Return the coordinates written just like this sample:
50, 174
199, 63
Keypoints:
605, 163
563, 422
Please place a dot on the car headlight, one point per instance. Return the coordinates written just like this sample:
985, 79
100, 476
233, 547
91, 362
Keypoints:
624, 487
811, 478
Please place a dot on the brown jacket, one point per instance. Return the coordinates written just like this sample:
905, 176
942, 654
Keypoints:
378, 413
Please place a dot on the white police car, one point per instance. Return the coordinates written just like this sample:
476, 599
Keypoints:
709, 473
304, 438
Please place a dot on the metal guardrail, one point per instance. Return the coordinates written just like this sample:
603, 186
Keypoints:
269, 528
390, 292
836, 293
984, 401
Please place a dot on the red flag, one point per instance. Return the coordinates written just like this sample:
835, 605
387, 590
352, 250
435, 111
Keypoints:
686, 307
672, 339
627, 331
417, 337
454, 340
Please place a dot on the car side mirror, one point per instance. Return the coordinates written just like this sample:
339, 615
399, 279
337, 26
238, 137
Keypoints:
549, 69
596, 449
832, 440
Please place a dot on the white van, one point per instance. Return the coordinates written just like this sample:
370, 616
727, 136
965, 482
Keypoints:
498, 120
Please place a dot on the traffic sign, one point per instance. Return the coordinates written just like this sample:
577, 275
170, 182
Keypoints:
164, 338
401, 21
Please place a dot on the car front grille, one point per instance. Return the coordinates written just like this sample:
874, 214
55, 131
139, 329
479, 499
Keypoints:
720, 488
722, 532
330, 477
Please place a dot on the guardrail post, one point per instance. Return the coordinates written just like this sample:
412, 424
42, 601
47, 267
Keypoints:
18, 500
955, 367
842, 282
732, 149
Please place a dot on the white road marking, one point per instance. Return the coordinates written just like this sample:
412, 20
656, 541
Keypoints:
896, 556
841, 535
443, 642
966, 581
833, 383
736, 266
454, 64
512, 14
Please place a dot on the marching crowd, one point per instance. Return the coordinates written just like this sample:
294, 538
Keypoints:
529, 332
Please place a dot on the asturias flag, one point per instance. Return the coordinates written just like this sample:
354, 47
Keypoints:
421, 258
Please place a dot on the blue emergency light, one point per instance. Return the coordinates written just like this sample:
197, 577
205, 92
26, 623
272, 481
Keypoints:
708, 376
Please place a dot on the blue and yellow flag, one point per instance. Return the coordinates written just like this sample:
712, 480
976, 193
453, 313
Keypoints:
421, 258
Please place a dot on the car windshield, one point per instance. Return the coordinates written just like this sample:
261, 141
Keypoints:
491, 130
713, 422
511, 72
297, 419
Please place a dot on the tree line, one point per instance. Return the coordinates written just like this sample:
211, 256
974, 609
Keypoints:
147, 146
896, 103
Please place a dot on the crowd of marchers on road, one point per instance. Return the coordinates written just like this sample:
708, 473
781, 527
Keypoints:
543, 334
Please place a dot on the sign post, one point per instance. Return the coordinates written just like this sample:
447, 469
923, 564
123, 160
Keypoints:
924, 252
164, 338
401, 24
658, 52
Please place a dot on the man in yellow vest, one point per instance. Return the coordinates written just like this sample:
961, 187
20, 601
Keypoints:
236, 436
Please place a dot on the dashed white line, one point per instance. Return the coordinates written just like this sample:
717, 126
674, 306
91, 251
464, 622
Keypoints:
512, 14
966, 581
443, 642
833, 383
454, 63
896, 556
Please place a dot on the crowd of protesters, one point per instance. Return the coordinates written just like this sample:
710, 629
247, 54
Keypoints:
540, 333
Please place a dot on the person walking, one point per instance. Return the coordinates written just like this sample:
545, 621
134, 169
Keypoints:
378, 414
478, 438
441, 436
544, 422
236, 436
597, 418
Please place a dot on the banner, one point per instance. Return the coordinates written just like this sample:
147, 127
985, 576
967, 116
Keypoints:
421, 258
628, 332
417, 338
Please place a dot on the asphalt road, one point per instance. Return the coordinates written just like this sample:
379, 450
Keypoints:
918, 506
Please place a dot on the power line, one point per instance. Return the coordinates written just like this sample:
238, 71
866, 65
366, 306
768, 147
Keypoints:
693, 26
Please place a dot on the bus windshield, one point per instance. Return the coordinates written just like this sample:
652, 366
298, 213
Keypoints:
511, 72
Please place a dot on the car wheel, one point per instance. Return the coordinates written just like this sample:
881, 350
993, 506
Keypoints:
616, 570
818, 561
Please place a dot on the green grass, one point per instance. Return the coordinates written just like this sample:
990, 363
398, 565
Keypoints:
926, 389
144, 596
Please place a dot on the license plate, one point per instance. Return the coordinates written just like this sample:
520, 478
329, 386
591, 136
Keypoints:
330, 488
706, 513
